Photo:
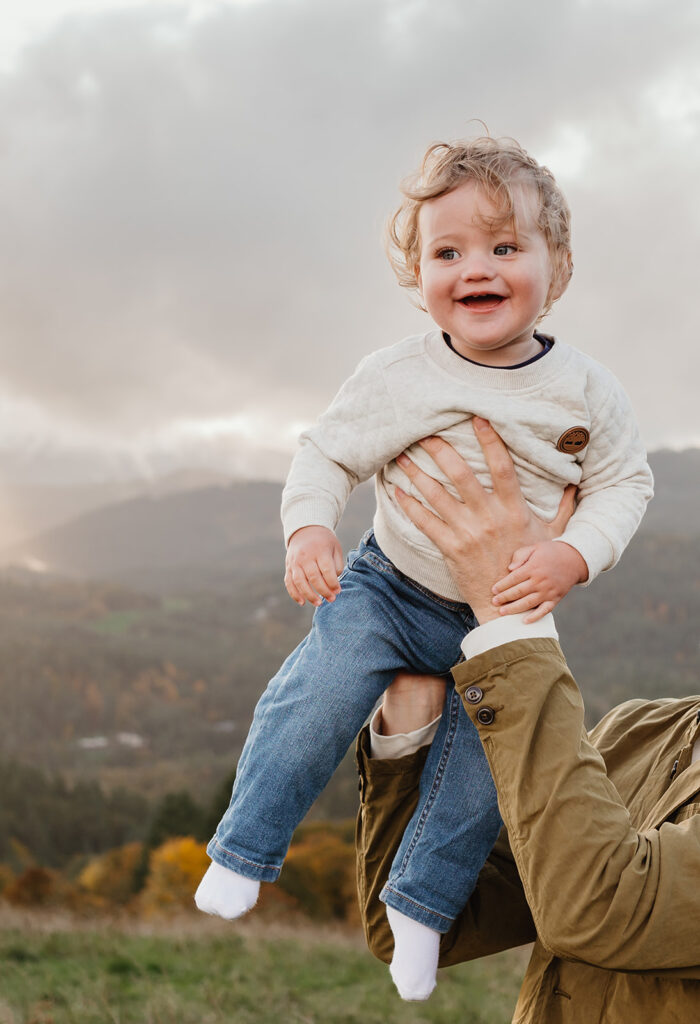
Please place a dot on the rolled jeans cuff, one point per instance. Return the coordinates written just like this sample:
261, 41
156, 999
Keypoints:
416, 911
242, 865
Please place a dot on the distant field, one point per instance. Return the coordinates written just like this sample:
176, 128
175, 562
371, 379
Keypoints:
54, 971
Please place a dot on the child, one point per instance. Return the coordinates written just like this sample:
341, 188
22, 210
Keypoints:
483, 235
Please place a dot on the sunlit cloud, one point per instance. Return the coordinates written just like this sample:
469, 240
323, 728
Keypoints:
192, 198
569, 153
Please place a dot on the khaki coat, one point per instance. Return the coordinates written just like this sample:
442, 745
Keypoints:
598, 863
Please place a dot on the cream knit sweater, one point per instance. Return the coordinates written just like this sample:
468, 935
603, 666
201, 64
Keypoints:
419, 387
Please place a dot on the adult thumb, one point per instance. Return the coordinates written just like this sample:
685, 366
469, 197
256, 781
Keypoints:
567, 507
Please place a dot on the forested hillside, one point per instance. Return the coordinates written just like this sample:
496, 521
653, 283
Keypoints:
150, 688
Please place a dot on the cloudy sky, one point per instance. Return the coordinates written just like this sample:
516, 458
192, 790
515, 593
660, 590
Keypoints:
192, 196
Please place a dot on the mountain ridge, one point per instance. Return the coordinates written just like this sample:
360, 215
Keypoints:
159, 539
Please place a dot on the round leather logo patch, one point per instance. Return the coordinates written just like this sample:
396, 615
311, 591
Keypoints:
573, 440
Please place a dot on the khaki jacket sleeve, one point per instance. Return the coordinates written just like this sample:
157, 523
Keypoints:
599, 890
497, 915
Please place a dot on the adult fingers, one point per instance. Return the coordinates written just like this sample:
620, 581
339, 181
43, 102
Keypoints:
501, 468
441, 500
427, 522
456, 470
567, 507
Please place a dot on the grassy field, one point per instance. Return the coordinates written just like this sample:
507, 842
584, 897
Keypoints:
56, 971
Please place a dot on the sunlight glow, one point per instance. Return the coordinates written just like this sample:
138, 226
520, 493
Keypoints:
257, 430
567, 156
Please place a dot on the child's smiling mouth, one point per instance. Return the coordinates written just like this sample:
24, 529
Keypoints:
483, 302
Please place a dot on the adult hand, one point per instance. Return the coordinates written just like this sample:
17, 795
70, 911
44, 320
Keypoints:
478, 532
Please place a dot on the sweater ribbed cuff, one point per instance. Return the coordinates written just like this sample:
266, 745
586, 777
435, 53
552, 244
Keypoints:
592, 545
310, 511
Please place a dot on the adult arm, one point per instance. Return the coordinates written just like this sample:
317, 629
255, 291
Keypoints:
599, 890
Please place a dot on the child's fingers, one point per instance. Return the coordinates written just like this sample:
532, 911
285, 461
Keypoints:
512, 579
525, 604
302, 584
291, 588
316, 579
521, 556
330, 579
517, 593
540, 612
296, 587
338, 560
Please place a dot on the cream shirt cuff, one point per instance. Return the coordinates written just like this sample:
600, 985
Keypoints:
505, 629
402, 743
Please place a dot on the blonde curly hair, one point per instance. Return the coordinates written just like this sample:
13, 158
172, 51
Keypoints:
495, 165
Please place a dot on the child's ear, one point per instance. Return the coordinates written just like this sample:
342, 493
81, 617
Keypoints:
560, 281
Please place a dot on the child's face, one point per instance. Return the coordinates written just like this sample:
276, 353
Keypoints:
484, 286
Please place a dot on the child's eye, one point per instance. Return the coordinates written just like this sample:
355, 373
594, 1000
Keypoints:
447, 254
505, 250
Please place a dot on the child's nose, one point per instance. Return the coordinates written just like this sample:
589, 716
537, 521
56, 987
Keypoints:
477, 266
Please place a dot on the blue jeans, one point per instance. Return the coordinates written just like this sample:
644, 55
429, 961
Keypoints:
382, 622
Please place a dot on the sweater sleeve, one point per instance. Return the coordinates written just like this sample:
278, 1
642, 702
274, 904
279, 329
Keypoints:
600, 891
355, 436
616, 484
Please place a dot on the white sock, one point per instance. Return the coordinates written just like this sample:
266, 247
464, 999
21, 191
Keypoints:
416, 950
225, 892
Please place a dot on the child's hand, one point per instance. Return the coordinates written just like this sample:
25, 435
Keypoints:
540, 576
314, 560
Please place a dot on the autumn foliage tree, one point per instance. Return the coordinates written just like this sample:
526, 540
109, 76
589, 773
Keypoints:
175, 871
39, 887
112, 877
319, 872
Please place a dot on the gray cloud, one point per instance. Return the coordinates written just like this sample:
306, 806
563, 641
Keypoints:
191, 210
